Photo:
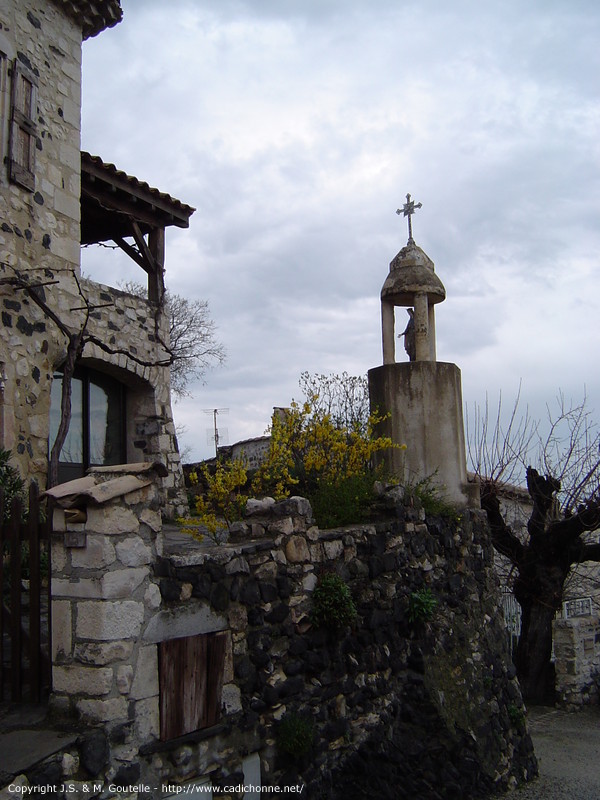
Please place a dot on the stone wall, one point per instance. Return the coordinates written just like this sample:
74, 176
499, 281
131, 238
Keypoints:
103, 596
133, 330
252, 451
39, 230
577, 660
393, 704
402, 708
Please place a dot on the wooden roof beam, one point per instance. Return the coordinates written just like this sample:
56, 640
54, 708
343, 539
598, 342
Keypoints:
143, 247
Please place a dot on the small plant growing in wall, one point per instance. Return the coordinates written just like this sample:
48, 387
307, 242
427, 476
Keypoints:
421, 607
332, 603
516, 716
432, 500
295, 735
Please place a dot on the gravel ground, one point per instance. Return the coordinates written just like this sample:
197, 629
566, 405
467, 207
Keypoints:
567, 746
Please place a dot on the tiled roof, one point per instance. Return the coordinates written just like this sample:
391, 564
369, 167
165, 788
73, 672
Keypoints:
108, 172
93, 15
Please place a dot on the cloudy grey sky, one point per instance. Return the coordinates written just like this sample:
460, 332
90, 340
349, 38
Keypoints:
296, 128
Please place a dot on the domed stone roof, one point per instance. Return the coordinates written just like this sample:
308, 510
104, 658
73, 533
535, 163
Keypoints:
411, 273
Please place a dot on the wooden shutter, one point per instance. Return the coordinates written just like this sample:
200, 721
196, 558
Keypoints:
22, 137
191, 680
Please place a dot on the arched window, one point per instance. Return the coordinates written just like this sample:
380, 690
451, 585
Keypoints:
96, 434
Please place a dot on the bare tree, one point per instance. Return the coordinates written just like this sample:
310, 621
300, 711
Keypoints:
498, 450
192, 337
344, 398
565, 498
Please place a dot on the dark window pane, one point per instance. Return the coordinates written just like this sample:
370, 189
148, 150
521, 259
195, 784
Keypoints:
72, 449
105, 426
96, 430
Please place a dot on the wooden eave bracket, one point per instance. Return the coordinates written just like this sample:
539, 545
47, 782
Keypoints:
134, 254
142, 256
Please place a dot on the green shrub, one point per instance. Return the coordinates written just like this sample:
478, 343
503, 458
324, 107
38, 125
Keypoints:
516, 716
344, 502
332, 603
295, 735
421, 606
432, 499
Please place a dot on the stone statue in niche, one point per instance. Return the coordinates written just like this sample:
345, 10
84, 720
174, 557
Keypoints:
409, 335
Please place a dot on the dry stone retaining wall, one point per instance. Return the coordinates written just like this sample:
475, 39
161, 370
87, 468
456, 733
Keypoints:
430, 709
398, 708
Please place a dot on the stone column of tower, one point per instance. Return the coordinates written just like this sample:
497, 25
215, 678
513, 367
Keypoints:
422, 398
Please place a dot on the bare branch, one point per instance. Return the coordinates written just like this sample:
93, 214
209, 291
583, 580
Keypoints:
74, 349
343, 398
193, 346
503, 538
570, 451
498, 452
76, 342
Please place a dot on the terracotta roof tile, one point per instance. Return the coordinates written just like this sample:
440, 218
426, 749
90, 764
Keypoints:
112, 174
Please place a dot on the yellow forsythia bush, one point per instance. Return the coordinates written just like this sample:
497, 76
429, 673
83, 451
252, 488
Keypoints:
307, 451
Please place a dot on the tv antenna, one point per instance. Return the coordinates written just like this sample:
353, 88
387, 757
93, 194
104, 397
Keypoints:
216, 435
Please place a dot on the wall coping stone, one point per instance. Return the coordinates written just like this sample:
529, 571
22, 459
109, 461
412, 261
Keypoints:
101, 486
191, 620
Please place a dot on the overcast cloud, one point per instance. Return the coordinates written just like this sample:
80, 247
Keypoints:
296, 128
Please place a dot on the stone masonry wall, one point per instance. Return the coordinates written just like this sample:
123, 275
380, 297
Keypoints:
428, 709
39, 230
397, 707
135, 329
577, 660
103, 596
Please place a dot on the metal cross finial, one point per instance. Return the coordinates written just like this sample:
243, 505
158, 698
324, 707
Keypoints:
408, 209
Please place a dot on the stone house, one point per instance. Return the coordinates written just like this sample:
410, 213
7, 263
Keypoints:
53, 200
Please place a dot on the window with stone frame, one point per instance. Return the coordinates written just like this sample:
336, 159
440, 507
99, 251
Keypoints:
97, 426
190, 671
23, 130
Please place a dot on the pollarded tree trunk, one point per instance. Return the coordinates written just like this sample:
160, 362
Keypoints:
542, 565
533, 654
542, 570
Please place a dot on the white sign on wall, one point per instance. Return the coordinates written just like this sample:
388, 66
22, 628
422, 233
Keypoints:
580, 607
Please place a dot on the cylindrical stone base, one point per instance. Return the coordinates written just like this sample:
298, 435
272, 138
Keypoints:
423, 401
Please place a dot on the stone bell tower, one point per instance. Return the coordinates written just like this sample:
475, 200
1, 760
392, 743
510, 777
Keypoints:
422, 397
